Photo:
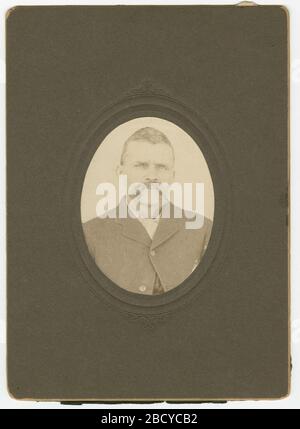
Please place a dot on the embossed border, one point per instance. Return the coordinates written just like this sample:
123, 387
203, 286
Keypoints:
148, 100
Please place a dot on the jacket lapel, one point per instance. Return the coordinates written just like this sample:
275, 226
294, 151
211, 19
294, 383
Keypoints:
165, 230
167, 227
133, 229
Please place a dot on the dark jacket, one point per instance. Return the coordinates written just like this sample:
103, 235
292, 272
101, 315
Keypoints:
124, 252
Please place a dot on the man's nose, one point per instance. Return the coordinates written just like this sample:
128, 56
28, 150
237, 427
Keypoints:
151, 175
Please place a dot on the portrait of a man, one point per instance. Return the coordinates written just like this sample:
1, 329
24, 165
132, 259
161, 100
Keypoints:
150, 254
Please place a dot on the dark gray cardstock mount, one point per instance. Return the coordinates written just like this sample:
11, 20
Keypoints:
73, 74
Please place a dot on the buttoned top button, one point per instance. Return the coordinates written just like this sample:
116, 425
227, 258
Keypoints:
142, 288
152, 252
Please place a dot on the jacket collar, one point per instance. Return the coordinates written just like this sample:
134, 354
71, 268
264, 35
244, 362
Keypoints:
133, 229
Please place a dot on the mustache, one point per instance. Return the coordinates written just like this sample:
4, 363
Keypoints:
153, 183
147, 187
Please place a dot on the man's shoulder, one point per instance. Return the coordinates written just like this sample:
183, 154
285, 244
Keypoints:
195, 222
97, 224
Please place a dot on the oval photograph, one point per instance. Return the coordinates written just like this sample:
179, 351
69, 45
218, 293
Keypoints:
147, 206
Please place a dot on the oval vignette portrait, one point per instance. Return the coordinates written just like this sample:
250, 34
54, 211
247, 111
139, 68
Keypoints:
147, 206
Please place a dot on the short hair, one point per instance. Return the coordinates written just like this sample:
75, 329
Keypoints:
151, 135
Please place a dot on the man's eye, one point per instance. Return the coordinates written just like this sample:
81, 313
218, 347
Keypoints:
141, 164
162, 167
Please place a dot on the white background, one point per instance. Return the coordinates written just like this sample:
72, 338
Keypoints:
293, 401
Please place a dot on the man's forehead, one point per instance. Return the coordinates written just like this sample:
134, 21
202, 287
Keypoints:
137, 148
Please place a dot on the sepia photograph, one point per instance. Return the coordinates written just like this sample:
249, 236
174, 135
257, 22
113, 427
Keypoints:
147, 206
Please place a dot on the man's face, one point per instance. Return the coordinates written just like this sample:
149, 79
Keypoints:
147, 163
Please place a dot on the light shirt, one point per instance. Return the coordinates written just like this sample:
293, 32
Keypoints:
150, 225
